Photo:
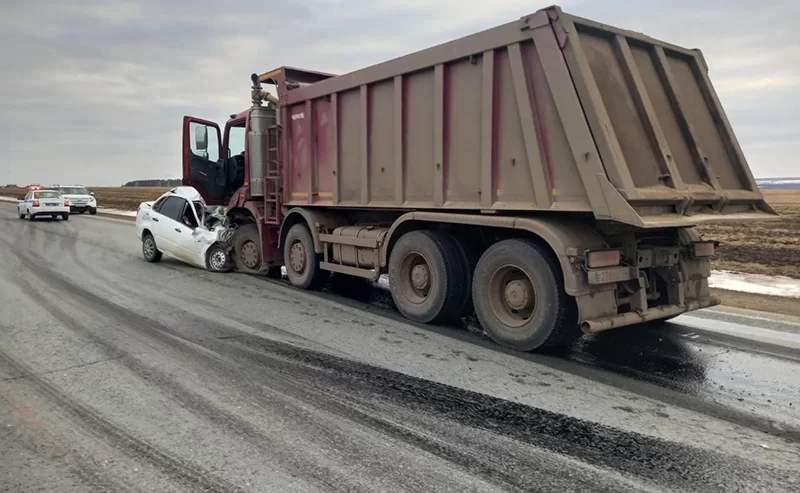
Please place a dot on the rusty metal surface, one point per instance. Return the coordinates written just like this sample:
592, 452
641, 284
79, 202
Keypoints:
655, 313
548, 113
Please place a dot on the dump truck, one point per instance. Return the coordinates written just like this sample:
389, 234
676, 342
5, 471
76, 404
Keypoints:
547, 174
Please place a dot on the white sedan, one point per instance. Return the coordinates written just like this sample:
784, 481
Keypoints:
38, 203
178, 224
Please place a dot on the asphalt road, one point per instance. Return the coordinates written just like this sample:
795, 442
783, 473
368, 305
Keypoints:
119, 375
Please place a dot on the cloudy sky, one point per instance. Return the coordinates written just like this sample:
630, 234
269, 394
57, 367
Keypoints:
94, 92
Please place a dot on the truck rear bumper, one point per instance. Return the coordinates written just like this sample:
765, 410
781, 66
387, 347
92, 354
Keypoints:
655, 313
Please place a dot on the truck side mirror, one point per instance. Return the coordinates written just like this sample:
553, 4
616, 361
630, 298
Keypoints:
201, 137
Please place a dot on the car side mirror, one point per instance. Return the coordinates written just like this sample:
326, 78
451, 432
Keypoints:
201, 137
91, 193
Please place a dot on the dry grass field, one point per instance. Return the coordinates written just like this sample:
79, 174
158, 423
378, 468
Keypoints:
763, 247
122, 198
766, 247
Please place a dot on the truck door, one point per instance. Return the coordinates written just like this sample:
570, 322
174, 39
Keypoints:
203, 163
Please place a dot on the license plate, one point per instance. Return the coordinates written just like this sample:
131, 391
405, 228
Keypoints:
51, 204
607, 276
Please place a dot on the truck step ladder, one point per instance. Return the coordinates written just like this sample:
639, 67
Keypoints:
272, 181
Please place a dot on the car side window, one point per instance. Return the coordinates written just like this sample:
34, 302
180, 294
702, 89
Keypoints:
157, 206
173, 208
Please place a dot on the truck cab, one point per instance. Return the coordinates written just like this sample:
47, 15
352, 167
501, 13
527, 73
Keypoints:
217, 163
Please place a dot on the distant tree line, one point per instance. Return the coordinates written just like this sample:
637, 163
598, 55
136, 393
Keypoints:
154, 183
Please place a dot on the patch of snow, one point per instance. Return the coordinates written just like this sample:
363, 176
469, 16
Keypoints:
116, 212
755, 283
8, 199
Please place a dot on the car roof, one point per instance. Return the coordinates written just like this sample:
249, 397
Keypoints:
188, 193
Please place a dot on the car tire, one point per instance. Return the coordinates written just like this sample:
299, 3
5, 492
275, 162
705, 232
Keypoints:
300, 259
65, 216
150, 251
22, 216
30, 216
217, 259
519, 297
93, 211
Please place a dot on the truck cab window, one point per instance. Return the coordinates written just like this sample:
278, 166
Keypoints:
209, 151
236, 137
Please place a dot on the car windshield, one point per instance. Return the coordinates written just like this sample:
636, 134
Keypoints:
74, 191
46, 195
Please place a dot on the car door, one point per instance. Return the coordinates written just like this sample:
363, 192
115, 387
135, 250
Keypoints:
175, 233
22, 206
189, 239
163, 217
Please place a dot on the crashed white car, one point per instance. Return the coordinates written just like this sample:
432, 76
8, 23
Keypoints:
178, 224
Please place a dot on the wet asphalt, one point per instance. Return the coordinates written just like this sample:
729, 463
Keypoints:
118, 375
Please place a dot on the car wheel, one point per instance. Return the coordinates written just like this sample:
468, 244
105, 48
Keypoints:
217, 259
30, 216
149, 248
65, 216
93, 211
21, 215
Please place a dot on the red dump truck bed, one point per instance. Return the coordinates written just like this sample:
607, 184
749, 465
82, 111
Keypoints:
548, 113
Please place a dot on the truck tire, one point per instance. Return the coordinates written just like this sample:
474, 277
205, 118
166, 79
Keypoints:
247, 249
425, 276
469, 256
150, 251
519, 297
300, 259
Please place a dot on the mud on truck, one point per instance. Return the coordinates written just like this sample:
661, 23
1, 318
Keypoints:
547, 174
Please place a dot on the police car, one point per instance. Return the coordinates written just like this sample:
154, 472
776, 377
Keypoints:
38, 203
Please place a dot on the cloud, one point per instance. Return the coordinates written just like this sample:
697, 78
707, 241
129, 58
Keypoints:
94, 91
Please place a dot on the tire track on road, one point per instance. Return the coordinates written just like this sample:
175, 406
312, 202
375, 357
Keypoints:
93, 423
328, 479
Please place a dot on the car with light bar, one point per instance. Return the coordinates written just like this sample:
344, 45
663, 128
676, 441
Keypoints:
39, 203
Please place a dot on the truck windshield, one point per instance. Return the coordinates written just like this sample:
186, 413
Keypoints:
74, 191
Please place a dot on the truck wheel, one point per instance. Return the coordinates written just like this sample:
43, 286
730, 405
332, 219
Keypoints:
217, 259
300, 259
519, 297
425, 276
469, 255
149, 248
247, 249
